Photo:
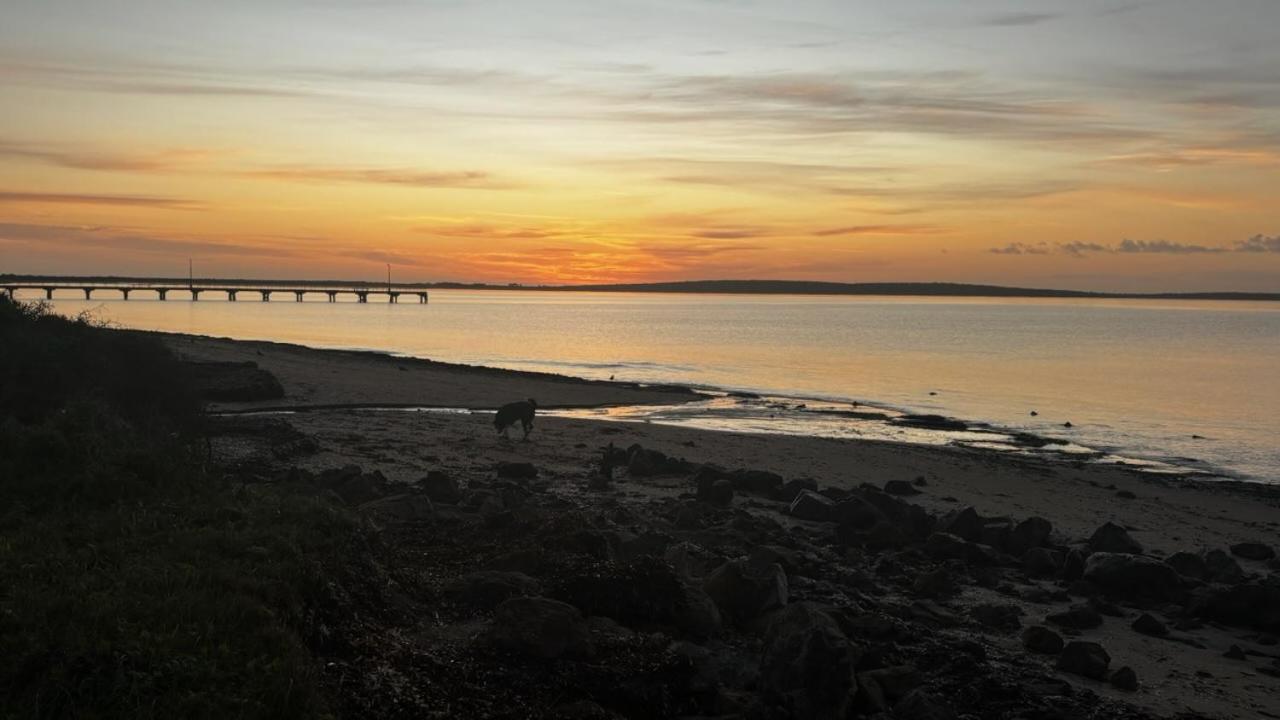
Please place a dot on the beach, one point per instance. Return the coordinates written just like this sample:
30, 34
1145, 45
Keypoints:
405, 418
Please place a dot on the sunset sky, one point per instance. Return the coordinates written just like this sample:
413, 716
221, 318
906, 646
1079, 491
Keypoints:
1094, 144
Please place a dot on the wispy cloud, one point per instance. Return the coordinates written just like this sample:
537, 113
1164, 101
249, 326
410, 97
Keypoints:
84, 159
878, 230
127, 240
13, 196
1019, 19
1260, 244
471, 179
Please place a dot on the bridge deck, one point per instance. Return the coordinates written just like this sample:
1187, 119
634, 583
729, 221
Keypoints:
193, 290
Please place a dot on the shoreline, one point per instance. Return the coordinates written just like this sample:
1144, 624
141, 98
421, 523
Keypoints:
1016, 443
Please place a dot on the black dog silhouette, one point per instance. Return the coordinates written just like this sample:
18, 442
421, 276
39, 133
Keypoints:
511, 413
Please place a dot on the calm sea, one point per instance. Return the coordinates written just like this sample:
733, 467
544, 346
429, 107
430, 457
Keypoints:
1192, 383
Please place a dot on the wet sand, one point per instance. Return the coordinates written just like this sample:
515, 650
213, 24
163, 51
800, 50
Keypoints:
1165, 515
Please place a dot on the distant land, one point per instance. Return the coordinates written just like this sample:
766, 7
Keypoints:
747, 287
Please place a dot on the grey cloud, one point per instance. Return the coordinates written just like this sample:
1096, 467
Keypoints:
122, 239
1164, 247
1260, 244
90, 199
1018, 248
1020, 19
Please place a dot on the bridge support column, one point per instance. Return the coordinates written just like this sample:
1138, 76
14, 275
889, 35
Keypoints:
88, 293
125, 293
362, 297
266, 295
195, 295
394, 298
298, 294
231, 295
333, 296
48, 293
163, 293
422, 298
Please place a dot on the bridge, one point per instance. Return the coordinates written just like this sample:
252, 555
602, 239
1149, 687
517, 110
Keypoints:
192, 290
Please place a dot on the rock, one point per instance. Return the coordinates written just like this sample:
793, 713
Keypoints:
1254, 604
1084, 658
920, 481
792, 488
1040, 639
698, 617
541, 627
1004, 618
921, 705
440, 487
743, 591
232, 381
1188, 565
1235, 653
1148, 624
879, 689
938, 583
807, 663
1222, 568
1253, 551
996, 533
1073, 565
1125, 679
757, 482
400, 509
964, 523
486, 589
858, 514
353, 486
1132, 576
1039, 562
1126, 495
715, 492
516, 470
1111, 538
946, 546
1078, 617
809, 505
900, 487
1030, 533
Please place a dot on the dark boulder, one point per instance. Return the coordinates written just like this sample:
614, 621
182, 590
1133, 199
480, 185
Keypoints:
1148, 624
945, 546
999, 617
1253, 551
399, 509
1040, 562
486, 589
1030, 533
1222, 568
715, 491
809, 505
1133, 576
1125, 679
1253, 604
965, 523
1188, 565
858, 514
516, 470
1079, 617
1040, 639
901, 487
743, 591
879, 689
1088, 659
1073, 565
541, 627
440, 487
792, 488
1111, 538
756, 482
807, 663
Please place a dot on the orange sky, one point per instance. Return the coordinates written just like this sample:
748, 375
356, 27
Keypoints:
1118, 145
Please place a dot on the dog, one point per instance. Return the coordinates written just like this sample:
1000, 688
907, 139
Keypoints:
511, 413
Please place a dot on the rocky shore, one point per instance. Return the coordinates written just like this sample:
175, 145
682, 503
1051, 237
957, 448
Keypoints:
586, 575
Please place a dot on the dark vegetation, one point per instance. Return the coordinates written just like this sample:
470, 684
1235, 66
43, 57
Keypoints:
134, 580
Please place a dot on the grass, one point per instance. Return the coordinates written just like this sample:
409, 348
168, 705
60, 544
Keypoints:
134, 581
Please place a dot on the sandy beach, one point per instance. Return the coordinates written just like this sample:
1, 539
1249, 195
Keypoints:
1165, 515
